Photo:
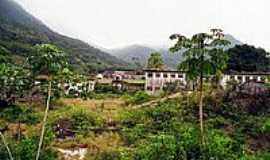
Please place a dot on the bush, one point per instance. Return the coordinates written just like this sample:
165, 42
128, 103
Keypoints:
266, 126
220, 146
139, 97
109, 155
27, 148
83, 122
159, 147
20, 113
131, 135
3, 152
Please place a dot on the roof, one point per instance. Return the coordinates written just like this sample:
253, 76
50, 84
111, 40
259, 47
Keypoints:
246, 73
158, 70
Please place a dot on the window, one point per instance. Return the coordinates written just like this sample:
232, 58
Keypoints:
150, 75
180, 76
239, 78
157, 75
165, 75
173, 75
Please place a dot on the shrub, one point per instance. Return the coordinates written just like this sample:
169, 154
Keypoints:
220, 146
3, 152
109, 155
131, 135
83, 122
266, 126
27, 148
20, 113
139, 97
159, 147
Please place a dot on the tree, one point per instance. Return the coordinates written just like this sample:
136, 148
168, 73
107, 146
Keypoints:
248, 58
201, 56
155, 61
136, 61
14, 80
219, 59
48, 61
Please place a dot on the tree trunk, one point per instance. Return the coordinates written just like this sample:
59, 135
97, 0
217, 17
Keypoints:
201, 96
6, 145
201, 110
44, 120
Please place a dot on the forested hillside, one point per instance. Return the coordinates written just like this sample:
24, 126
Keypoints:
19, 31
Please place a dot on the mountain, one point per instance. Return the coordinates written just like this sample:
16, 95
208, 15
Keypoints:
142, 53
233, 41
19, 31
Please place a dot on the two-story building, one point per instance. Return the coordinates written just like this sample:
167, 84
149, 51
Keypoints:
157, 79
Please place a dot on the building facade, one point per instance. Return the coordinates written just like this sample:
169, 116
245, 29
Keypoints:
243, 77
156, 80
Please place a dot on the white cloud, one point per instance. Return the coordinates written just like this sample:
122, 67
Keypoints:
114, 23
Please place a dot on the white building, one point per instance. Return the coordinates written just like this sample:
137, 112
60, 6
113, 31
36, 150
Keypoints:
156, 79
78, 88
242, 77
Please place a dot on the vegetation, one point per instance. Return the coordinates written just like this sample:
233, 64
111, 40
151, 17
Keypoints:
20, 31
204, 55
124, 125
248, 58
155, 61
49, 61
169, 130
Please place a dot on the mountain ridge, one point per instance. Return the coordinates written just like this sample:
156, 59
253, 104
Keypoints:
171, 60
19, 31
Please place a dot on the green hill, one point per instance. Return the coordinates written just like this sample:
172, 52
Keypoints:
19, 31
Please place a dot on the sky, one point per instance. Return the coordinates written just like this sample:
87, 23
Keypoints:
117, 23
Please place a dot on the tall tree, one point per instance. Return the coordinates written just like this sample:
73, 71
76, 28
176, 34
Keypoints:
248, 58
155, 61
200, 59
48, 61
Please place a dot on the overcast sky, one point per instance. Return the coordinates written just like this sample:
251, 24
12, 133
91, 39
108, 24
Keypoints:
116, 23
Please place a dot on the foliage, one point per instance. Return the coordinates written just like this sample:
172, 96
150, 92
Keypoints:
20, 114
20, 31
203, 55
220, 146
248, 58
266, 126
26, 149
4, 55
14, 82
138, 98
159, 147
82, 121
109, 155
47, 60
155, 61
